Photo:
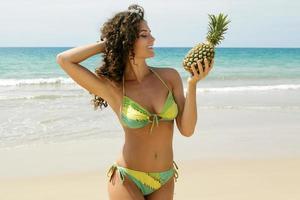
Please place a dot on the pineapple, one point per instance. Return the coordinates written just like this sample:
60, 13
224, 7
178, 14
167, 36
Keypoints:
216, 28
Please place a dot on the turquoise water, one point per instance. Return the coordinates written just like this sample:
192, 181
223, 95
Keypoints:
40, 103
230, 63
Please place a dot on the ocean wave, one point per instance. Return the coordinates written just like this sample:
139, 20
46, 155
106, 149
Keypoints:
36, 81
37, 97
63, 80
251, 88
254, 107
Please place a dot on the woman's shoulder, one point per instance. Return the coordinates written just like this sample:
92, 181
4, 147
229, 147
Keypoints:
166, 71
169, 74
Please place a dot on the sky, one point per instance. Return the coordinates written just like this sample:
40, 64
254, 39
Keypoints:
174, 23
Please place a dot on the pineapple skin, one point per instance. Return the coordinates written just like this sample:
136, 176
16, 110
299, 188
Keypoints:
198, 52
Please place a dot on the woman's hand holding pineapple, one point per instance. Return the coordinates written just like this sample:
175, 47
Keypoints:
203, 71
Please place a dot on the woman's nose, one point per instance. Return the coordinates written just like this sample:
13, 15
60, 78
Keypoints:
153, 38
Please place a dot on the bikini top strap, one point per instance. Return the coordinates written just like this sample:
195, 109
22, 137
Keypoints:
159, 77
123, 84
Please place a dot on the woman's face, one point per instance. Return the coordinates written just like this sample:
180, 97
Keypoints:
143, 46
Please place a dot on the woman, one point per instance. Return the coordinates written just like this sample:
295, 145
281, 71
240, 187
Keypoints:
145, 99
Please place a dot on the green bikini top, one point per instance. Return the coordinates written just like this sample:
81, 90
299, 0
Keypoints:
133, 115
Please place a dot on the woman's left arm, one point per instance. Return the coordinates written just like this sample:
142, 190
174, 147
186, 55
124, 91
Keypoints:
187, 107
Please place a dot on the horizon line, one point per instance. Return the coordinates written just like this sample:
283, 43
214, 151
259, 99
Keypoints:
153, 47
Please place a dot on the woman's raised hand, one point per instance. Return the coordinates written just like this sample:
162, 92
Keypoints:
195, 77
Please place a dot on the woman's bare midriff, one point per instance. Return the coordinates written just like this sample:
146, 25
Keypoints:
148, 152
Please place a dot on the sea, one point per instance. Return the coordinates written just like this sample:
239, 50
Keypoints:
39, 103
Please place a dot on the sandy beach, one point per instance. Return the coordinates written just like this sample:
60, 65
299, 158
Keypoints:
241, 154
202, 179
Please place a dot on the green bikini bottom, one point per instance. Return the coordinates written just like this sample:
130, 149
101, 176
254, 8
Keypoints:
147, 182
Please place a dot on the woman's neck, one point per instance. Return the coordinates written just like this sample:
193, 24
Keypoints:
136, 71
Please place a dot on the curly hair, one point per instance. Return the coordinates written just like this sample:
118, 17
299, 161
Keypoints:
119, 32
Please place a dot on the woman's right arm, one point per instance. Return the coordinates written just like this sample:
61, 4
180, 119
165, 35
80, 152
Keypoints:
69, 61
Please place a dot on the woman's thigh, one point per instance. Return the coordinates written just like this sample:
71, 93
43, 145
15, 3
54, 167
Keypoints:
126, 191
166, 192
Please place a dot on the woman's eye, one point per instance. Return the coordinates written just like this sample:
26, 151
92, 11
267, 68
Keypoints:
144, 35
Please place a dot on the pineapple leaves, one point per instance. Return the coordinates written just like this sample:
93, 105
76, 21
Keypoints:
217, 27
